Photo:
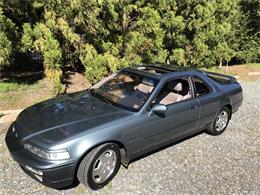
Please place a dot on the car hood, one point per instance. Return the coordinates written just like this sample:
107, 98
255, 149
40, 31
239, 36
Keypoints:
57, 118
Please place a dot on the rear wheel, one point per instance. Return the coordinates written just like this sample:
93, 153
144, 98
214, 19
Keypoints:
220, 123
99, 166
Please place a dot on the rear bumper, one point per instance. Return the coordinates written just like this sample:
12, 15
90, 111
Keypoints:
54, 174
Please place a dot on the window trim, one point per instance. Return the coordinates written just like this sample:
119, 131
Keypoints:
190, 82
204, 82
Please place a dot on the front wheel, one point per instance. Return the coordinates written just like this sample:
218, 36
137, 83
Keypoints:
220, 123
99, 166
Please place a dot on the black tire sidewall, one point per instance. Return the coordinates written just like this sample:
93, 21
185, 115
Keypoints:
214, 130
91, 183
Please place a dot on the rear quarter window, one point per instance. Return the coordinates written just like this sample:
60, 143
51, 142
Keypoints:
201, 88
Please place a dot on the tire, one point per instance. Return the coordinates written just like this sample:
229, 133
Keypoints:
220, 123
99, 166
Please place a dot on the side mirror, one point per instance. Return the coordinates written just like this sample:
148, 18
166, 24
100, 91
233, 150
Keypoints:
158, 109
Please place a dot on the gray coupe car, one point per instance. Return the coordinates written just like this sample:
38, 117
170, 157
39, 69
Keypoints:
87, 135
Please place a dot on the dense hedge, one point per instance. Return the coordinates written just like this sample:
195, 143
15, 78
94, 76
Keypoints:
104, 35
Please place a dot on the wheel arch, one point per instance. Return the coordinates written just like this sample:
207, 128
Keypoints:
227, 103
230, 108
123, 153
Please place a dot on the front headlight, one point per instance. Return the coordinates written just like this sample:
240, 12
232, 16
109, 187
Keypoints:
50, 155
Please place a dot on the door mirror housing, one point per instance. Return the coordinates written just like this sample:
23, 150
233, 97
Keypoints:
158, 109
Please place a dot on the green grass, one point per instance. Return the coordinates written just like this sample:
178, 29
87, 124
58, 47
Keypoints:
213, 69
12, 86
217, 70
17, 96
5, 87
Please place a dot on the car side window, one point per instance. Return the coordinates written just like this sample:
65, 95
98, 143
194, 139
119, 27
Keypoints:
200, 87
174, 91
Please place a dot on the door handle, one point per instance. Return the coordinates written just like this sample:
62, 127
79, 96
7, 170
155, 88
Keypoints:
193, 106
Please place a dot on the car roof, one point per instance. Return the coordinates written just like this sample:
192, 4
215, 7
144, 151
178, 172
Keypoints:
162, 71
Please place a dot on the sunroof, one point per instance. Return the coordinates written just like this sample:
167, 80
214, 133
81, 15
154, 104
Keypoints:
173, 68
151, 69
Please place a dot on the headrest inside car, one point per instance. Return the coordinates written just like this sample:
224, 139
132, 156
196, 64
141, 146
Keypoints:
176, 86
148, 82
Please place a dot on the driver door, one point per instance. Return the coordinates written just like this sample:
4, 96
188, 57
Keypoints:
180, 119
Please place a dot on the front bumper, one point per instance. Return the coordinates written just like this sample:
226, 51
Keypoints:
55, 174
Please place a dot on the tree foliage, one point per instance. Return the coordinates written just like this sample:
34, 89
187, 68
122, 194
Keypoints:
7, 35
105, 35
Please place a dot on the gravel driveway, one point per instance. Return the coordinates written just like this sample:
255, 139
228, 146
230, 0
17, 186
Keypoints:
228, 163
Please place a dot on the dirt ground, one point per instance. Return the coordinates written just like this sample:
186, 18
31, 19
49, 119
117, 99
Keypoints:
243, 72
76, 82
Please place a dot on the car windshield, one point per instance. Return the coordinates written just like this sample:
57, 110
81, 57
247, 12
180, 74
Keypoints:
125, 90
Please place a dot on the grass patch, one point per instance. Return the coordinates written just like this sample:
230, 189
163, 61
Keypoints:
254, 65
12, 86
218, 70
242, 71
5, 87
8, 97
213, 69
17, 96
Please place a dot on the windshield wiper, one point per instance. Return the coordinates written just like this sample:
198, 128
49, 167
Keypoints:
105, 99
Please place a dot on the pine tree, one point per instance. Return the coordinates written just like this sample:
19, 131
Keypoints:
106, 35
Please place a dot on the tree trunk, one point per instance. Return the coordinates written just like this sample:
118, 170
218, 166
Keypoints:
124, 26
227, 66
220, 63
168, 60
